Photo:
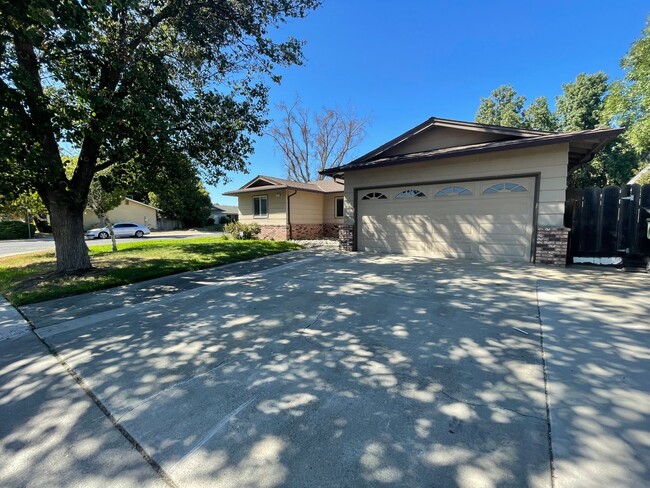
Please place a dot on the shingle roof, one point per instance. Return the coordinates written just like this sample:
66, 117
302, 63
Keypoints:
587, 144
318, 186
231, 209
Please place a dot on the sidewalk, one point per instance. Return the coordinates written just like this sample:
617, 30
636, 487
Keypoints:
52, 433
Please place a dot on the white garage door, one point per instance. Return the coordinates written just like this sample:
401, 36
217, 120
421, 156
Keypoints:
490, 220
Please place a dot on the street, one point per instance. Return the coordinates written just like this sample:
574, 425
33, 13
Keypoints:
8, 248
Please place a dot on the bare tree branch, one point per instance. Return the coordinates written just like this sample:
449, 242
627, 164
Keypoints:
311, 143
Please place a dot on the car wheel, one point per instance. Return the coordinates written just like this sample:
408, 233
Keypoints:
103, 235
139, 234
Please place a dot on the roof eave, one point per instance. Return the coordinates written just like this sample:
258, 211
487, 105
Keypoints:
606, 135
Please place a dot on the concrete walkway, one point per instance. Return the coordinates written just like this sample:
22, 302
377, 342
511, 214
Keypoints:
51, 432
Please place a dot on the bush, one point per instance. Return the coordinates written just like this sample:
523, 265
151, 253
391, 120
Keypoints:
209, 222
15, 229
225, 220
242, 231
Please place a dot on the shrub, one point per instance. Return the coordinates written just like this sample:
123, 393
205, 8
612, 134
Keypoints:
15, 229
225, 220
210, 221
242, 231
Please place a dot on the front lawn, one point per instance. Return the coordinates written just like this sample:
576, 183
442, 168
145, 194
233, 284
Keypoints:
31, 278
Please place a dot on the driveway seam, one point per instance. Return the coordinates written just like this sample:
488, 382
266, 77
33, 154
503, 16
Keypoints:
487, 405
546, 395
120, 428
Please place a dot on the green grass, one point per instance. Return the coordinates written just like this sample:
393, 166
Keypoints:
31, 278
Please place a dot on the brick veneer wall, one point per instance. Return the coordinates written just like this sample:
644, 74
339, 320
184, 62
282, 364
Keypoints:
346, 238
306, 231
274, 232
331, 230
552, 246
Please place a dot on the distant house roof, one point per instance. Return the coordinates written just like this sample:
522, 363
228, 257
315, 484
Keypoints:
262, 183
140, 203
583, 145
229, 209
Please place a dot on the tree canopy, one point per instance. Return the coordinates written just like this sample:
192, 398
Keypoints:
310, 142
134, 82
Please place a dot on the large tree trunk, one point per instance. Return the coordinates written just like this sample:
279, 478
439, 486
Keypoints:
69, 242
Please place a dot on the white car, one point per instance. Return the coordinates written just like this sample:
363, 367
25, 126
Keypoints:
122, 229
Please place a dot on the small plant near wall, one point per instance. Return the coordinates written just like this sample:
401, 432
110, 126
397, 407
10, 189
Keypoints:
242, 231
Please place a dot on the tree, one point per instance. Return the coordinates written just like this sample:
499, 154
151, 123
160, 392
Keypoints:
538, 116
628, 103
185, 200
503, 107
103, 196
581, 104
131, 82
311, 142
25, 202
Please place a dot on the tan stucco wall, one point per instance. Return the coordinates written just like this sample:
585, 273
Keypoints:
131, 212
439, 137
329, 209
277, 208
550, 161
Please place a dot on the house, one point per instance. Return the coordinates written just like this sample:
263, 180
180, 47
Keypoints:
287, 209
128, 211
217, 211
448, 188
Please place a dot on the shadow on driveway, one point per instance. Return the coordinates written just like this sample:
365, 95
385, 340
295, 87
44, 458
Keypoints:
336, 370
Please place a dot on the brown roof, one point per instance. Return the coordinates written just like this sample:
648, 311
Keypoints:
318, 186
583, 146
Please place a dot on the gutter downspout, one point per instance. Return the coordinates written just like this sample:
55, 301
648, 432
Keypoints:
289, 211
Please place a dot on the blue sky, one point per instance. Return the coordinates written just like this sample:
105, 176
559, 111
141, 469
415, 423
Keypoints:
402, 62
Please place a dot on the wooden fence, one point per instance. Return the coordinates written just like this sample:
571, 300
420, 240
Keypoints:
608, 222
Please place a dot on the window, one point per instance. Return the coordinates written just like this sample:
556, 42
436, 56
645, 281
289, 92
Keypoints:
453, 190
410, 194
338, 207
504, 187
260, 206
374, 196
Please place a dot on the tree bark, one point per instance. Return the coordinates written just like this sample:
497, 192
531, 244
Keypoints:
69, 242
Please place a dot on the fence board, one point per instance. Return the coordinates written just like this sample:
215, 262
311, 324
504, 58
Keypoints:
608, 222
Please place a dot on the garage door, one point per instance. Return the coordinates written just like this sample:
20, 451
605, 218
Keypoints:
490, 220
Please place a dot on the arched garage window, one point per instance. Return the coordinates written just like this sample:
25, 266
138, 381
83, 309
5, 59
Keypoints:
410, 194
453, 190
375, 195
504, 187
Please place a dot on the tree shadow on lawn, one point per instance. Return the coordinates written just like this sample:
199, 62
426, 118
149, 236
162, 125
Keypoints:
353, 371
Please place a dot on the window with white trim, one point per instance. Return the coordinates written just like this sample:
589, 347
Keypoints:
260, 206
504, 187
338, 207
453, 190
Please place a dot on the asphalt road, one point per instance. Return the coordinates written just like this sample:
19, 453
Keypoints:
8, 248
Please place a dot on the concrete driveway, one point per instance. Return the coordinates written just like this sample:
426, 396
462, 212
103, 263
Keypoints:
358, 370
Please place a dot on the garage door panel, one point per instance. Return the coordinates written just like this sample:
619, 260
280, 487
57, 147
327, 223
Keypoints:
514, 250
489, 226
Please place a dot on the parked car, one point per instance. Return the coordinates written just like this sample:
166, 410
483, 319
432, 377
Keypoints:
122, 229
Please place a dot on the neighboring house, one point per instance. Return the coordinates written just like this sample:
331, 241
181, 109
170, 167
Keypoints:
217, 211
287, 209
448, 188
128, 211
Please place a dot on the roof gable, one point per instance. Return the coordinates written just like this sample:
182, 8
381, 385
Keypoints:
436, 133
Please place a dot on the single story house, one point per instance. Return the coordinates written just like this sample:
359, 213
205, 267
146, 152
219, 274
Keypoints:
128, 211
217, 211
449, 188
287, 209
